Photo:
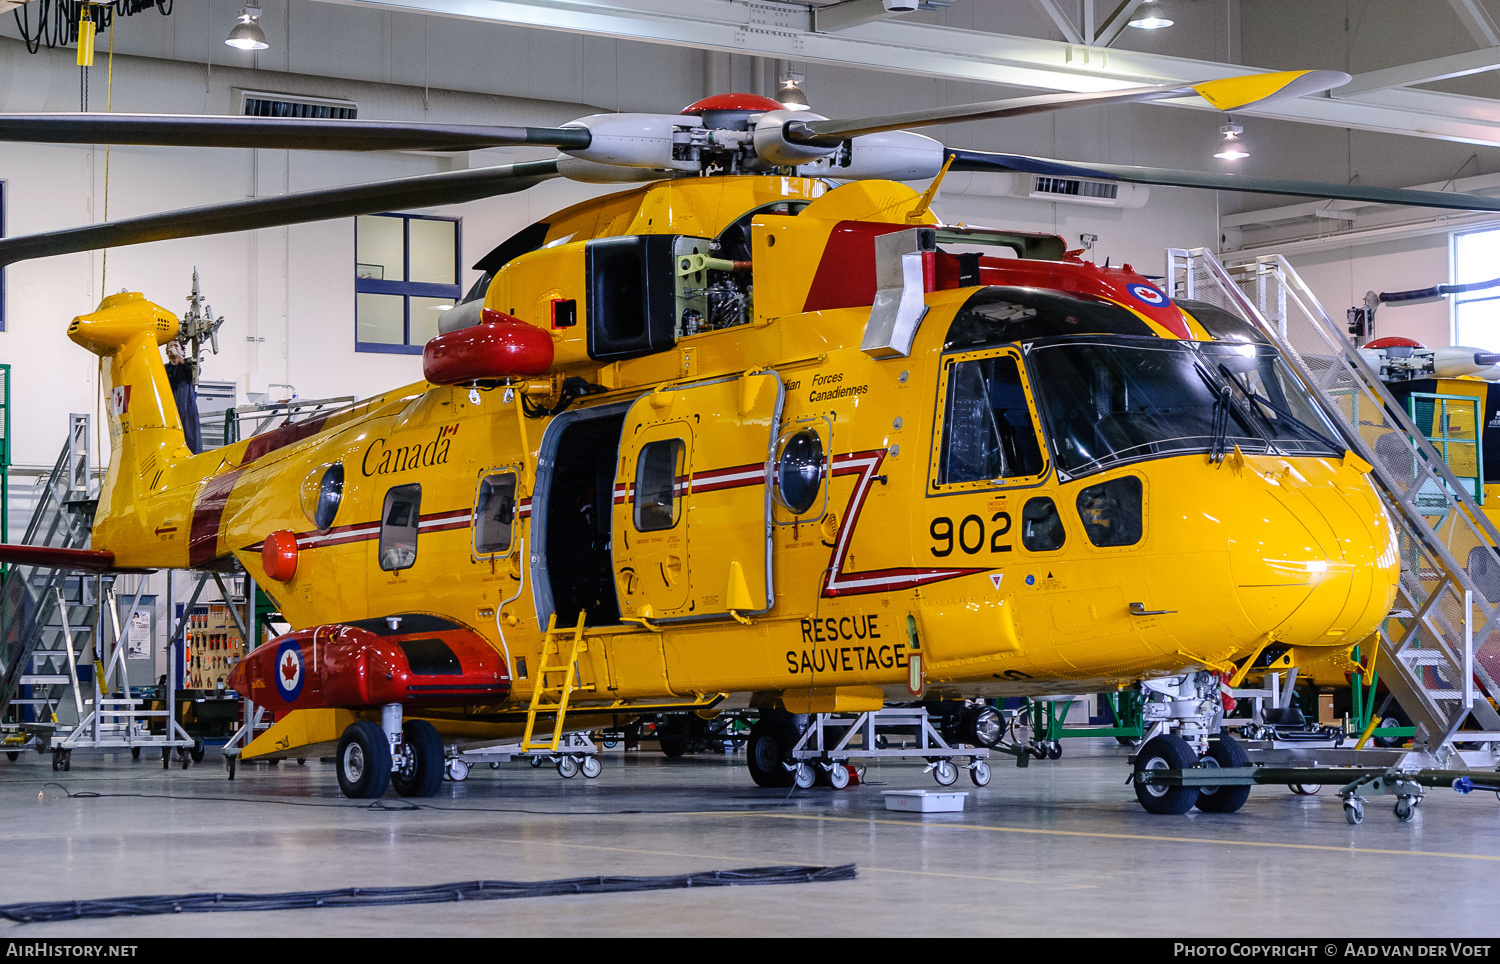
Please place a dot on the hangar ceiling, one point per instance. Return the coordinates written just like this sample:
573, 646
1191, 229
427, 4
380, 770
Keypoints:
859, 33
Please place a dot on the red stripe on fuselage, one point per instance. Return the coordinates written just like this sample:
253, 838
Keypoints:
208, 513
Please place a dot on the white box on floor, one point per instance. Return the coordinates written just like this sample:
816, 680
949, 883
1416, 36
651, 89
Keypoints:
925, 801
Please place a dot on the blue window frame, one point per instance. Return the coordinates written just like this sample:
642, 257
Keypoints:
2, 270
407, 270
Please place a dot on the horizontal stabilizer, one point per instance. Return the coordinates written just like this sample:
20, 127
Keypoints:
82, 560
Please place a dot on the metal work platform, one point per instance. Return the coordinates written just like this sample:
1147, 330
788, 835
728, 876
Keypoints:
574, 753
828, 743
1439, 652
53, 619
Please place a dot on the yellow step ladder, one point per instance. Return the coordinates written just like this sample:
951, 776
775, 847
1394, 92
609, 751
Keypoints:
554, 699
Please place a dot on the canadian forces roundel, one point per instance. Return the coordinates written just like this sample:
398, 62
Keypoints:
1148, 294
290, 670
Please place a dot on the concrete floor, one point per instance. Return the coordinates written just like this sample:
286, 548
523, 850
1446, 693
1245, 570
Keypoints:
1058, 849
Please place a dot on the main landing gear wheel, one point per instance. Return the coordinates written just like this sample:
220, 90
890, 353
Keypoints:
591, 767
945, 773
771, 740
979, 772
458, 770
422, 776
363, 761
1165, 752
838, 776
1226, 752
567, 767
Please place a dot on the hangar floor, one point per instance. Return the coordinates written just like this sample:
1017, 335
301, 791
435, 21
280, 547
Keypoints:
1058, 849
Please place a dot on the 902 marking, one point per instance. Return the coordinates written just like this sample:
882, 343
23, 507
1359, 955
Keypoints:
969, 536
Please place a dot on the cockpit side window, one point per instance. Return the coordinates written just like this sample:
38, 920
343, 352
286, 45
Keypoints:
987, 432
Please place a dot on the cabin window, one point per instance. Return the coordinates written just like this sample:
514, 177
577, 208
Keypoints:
406, 273
398, 527
322, 491
1041, 526
1111, 512
799, 471
658, 481
495, 514
988, 432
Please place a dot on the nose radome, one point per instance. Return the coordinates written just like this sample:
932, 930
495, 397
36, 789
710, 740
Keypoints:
1312, 564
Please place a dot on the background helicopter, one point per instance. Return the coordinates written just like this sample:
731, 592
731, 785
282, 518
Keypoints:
719, 136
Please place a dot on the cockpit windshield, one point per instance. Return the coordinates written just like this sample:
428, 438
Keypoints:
1113, 400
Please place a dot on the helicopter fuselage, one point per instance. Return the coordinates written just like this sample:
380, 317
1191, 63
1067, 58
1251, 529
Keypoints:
810, 445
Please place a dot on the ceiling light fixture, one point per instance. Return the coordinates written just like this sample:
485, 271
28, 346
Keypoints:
1233, 148
790, 96
246, 33
1150, 17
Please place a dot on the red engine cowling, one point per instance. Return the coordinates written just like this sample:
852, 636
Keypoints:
415, 659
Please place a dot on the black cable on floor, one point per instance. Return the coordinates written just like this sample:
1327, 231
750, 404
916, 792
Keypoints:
50, 911
405, 805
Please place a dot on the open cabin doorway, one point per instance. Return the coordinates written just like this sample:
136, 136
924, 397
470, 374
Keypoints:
571, 517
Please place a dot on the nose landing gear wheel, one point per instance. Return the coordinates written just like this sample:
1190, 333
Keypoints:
591, 767
1166, 752
945, 773
1226, 752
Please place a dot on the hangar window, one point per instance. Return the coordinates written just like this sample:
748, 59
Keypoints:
2, 270
406, 273
1476, 314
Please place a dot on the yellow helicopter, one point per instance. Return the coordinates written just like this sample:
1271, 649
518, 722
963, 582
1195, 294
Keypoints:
740, 430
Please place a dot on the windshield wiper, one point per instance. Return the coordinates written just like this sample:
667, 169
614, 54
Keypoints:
1218, 446
1280, 411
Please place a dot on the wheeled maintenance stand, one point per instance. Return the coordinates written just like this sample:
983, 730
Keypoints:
826, 745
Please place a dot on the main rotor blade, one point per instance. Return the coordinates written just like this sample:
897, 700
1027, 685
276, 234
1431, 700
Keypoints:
280, 133
987, 161
273, 212
1230, 93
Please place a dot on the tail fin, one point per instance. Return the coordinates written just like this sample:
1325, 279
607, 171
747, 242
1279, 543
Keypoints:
137, 499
